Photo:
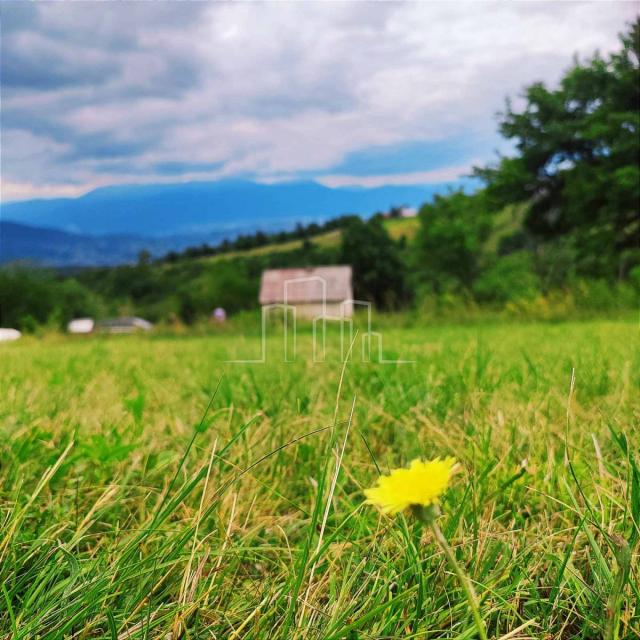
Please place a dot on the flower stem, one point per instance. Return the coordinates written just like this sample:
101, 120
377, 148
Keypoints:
622, 553
469, 591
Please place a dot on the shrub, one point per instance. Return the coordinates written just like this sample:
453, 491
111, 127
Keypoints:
378, 269
509, 278
602, 295
29, 297
449, 242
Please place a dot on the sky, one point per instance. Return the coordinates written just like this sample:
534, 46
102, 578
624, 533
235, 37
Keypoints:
346, 93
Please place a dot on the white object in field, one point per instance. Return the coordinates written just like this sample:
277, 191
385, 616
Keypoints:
7, 335
81, 325
219, 314
141, 323
125, 325
408, 212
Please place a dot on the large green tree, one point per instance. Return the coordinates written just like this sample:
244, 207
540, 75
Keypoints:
448, 245
378, 269
578, 149
30, 296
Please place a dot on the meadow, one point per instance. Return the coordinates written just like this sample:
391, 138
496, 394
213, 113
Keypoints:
149, 488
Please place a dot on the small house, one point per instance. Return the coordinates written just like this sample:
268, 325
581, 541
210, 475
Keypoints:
81, 326
130, 324
313, 291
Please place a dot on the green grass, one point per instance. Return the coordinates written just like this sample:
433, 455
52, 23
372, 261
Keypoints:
149, 488
396, 227
506, 223
402, 227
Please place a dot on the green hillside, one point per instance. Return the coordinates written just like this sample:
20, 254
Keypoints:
396, 227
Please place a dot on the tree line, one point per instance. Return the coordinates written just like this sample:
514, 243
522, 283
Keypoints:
246, 242
561, 214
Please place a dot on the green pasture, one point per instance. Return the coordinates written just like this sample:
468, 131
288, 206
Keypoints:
150, 488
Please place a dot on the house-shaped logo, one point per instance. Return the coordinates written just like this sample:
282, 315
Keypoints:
321, 295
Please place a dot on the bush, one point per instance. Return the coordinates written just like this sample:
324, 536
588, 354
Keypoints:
602, 295
557, 305
509, 278
31, 297
634, 278
448, 244
448, 305
379, 273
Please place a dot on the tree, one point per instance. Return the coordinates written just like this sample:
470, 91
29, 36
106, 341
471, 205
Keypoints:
449, 241
577, 159
29, 297
378, 270
144, 258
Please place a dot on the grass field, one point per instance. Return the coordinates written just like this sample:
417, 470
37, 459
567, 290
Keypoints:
129, 510
396, 227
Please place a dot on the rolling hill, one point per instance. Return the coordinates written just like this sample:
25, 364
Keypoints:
396, 227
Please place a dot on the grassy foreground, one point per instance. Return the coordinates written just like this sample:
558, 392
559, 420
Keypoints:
124, 513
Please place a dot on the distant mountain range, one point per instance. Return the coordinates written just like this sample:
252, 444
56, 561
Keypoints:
55, 248
112, 224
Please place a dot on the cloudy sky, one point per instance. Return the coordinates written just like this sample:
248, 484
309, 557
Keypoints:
345, 93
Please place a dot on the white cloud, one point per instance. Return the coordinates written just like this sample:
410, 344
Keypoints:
437, 176
27, 190
268, 89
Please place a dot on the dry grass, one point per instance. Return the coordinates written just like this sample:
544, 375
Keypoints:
127, 514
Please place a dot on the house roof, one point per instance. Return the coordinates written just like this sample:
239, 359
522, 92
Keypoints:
307, 285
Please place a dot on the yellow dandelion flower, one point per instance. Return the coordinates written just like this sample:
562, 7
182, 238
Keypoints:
419, 488
421, 485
